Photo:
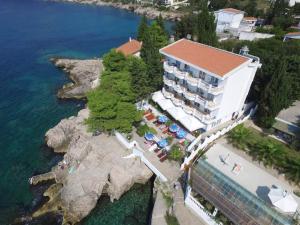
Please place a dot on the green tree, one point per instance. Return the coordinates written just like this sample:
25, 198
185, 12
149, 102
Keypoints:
143, 26
206, 27
291, 168
268, 152
217, 4
176, 153
155, 40
201, 26
276, 96
140, 81
239, 136
251, 8
160, 22
114, 61
280, 14
112, 105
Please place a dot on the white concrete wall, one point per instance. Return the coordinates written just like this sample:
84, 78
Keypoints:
227, 20
251, 36
235, 92
193, 204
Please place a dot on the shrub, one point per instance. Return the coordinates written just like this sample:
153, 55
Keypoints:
143, 129
171, 220
176, 153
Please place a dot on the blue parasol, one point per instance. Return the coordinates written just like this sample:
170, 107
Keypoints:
174, 127
162, 119
181, 133
162, 143
149, 136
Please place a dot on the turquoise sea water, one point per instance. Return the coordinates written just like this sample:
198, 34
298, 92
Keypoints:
31, 31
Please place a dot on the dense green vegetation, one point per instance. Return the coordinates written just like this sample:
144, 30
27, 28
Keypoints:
270, 152
127, 80
154, 37
277, 84
176, 153
201, 25
112, 103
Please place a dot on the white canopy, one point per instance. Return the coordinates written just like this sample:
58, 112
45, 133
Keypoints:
165, 103
176, 112
157, 96
282, 200
191, 123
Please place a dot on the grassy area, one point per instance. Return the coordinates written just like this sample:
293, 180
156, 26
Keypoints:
267, 150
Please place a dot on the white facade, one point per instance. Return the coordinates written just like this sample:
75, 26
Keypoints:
209, 98
228, 19
173, 2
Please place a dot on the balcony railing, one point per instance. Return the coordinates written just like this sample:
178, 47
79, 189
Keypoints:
189, 95
179, 74
178, 89
177, 102
169, 82
166, 93
188, 109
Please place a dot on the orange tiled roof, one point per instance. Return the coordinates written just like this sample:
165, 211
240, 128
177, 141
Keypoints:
293, 33
131, 47
232, 10
214, 60
249, 18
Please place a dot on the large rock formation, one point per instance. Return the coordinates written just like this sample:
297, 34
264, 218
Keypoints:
92, 165
84, 74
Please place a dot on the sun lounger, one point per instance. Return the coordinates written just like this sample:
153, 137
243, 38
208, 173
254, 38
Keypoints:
160, 155
150, 117
163, 158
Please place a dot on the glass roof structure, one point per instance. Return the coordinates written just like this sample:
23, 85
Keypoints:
234, 201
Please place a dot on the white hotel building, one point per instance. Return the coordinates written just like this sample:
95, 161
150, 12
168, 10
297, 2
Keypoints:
204, 86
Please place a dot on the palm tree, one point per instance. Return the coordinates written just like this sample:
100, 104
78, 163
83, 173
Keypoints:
239, 136
268, 152
291, 168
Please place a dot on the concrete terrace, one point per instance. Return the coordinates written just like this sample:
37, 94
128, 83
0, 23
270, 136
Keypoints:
253, 176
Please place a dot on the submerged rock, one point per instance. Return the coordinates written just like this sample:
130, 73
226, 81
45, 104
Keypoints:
92, 166
85, 75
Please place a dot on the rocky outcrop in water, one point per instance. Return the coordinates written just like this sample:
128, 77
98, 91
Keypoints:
85, 75
139, 9
92, 166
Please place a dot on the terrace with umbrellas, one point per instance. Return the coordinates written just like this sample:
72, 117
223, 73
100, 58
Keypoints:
161, 135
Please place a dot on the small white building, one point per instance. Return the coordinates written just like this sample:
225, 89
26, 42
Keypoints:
173, 3
247, 24
204, 86
293, 2
228, 18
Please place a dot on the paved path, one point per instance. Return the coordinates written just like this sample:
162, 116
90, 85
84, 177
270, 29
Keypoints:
159, 210
184, 215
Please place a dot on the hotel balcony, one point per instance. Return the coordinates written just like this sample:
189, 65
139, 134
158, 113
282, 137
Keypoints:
192, 80
190, 96
167, 94
168, 68
177, 101
169, 82
204, 117
188, 109
179, 74
178, 88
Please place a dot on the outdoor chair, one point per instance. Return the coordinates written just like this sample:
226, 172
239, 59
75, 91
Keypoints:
160, 154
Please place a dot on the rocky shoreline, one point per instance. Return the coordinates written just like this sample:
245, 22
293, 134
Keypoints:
92, 165
139, 9
84, 74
